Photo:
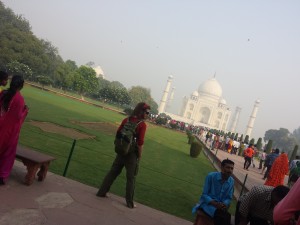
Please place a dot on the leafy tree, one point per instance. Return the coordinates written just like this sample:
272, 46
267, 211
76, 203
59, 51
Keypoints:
246, 139
162, 119
236, 136
282, 138
90, 64
17, 43
43, 80
269, 146
64, 74
51, 57
232, 136
294, 153
103, 83
128, 111
252, 141
259, 144
85, 80
141, 94
117, 85
242, 138
116, 95
16, 67
296, 134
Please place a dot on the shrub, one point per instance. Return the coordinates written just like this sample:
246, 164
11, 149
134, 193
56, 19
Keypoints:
162, 119
173, 125
269, 146
191, 139
195, 149
188, 133
128, 111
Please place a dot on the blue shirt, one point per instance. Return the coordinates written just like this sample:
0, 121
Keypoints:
215, 189
271, 158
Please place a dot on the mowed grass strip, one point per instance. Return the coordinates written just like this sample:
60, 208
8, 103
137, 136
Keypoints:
168, 180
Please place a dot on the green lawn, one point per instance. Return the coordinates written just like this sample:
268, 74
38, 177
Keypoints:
169, 179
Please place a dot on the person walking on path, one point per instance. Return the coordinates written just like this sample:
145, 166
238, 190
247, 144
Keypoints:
248, 154
217, 195
287, 211
294, 175
279, 169
131, 160
12, 114
262, 159
294, 162
258, 204
270, 160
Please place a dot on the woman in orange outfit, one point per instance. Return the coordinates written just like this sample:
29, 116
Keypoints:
279, 169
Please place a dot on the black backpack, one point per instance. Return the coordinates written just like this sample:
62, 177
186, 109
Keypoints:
125, 140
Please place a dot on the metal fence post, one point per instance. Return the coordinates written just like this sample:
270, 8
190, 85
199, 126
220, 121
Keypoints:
215, 156
70, 156
243, 187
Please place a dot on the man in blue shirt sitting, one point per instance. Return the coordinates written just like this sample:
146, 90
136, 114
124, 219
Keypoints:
217, 194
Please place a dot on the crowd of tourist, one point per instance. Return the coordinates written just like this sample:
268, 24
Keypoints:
257, 207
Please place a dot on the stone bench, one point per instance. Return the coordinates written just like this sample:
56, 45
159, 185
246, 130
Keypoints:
34, 160
203, 219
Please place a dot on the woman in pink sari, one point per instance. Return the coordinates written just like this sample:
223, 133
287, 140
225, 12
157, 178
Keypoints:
12, 114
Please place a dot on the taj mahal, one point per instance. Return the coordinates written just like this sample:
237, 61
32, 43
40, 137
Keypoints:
206, 107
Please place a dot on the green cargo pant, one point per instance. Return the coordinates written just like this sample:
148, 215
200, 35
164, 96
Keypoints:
130, 162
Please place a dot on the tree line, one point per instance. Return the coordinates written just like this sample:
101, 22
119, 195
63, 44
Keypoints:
39, 61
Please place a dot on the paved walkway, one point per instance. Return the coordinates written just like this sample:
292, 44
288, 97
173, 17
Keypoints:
254, 174
61, 201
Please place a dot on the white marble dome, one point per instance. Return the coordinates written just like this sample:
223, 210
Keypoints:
223, 101
211, 87
195, 93
99, 71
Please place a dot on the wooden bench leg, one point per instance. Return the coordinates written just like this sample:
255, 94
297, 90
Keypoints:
203, 219
31, 171
43, 171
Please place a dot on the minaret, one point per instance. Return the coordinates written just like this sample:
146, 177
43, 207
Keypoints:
171, 98
236, 119
164, 98
252, 118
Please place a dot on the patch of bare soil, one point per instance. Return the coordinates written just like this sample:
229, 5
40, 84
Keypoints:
107, 128
53, 128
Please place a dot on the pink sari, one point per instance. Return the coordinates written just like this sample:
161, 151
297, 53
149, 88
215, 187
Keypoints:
10, 126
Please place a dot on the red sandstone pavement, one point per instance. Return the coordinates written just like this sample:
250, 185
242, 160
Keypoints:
254, 174
61, 201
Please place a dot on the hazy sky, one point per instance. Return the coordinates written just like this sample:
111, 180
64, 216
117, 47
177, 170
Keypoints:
252, 46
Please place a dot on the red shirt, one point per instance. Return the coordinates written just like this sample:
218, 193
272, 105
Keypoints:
140, 129
249, 152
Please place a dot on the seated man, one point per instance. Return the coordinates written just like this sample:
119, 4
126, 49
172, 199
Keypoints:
217, 194
257, 205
